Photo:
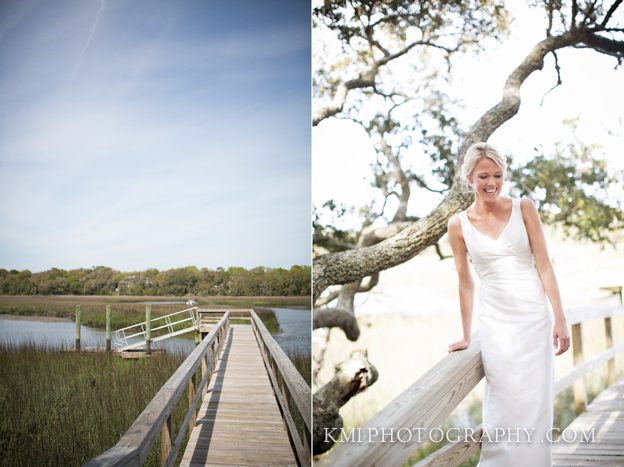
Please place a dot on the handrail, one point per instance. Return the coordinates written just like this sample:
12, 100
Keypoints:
430, 399
121, 337
134, 446
234, 312
157, 318
286, 381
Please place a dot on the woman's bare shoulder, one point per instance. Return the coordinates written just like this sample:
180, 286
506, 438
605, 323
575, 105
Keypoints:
527, 207
528, 210
454, 222
454, 227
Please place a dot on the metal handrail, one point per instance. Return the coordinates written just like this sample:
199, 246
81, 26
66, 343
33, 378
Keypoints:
122, 338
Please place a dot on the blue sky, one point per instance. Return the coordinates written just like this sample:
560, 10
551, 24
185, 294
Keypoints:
138, 134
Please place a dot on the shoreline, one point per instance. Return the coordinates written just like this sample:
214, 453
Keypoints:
45, 319
301, 300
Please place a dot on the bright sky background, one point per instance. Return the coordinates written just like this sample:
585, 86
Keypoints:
591, 91
149, 133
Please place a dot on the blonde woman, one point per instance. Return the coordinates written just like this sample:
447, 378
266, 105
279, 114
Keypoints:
504, 240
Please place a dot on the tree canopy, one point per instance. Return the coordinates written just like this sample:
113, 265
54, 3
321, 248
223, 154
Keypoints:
190, 280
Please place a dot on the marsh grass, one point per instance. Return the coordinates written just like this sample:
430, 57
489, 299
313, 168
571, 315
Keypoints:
250, 302
64, 408
269, 319
303, 364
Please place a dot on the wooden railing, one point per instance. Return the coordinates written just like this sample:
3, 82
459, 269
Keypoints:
206, 317
431, 399
238, 313
287, 384
134, 446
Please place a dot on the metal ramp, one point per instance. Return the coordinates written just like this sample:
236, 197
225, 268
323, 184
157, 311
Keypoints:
161, 327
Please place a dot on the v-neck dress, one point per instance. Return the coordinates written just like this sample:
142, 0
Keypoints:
515, 331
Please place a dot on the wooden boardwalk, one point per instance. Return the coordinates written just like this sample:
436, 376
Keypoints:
239, 422
606, 415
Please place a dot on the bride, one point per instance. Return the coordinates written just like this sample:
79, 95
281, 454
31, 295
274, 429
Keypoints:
504, 241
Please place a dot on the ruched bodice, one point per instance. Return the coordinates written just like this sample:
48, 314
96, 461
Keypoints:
509, 254
516, 349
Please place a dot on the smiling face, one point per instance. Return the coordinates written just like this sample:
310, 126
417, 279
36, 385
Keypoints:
486, 179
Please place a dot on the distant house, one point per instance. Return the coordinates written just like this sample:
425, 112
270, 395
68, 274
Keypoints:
126, 282
133, 280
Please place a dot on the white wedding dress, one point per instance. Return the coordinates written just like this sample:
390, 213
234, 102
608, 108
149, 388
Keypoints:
515, 329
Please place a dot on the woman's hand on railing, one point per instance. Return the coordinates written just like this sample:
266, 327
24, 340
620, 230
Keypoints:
561, 336
459, 345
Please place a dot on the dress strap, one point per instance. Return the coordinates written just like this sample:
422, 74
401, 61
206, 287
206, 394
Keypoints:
516, 206
515, 203
466, 231
462, 217
463, 221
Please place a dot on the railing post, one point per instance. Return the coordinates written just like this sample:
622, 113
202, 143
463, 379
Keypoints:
148, 329
611, 362
108, 328
280, 382
77, 328
166, 440
204, 370
212, 356
191, 396
580, 394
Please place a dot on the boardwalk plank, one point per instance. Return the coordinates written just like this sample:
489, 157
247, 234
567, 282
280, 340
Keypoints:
239, 422
605, 415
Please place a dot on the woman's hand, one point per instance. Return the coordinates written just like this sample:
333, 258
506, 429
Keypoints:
561, 336
459, 345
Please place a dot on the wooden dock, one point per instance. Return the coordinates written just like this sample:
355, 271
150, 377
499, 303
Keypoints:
239, 421
243, 392
606, 415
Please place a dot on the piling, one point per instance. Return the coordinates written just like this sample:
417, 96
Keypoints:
148, 329
108, 328
77, 327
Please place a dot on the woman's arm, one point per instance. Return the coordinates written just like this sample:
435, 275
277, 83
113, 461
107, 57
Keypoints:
546, 272
466, 285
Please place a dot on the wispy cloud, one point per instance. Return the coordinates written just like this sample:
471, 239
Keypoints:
89, 39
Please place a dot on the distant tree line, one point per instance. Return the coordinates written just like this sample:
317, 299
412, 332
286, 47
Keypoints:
101, 280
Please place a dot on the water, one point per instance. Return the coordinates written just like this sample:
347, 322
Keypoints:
296, 330
58, 335
294, 338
